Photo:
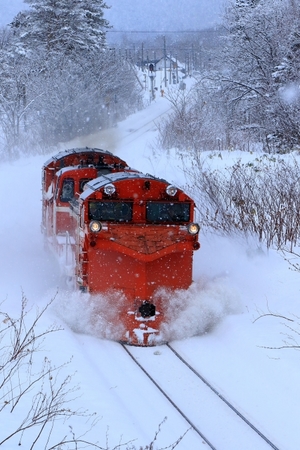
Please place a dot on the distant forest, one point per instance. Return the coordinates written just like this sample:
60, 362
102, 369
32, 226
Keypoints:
247, 90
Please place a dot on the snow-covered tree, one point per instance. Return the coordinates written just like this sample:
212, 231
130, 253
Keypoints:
261, 81
62, 26
58, 79
13, 103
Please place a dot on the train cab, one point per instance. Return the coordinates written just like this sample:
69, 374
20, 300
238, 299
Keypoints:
135, 235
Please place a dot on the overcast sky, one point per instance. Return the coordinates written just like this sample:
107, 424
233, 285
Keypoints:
8, 9
158, 15
163, 15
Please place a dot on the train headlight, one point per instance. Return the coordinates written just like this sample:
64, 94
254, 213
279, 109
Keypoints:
193, 228
95, 226
171, 190
109, 189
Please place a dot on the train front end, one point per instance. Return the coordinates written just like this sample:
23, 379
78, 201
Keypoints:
136, 235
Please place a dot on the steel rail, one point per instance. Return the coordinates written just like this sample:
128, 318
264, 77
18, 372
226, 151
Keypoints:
221, 397
169, 399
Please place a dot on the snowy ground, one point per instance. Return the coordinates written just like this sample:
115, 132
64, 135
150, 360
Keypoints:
217, 332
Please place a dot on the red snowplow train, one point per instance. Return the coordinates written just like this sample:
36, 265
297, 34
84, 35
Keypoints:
115, 229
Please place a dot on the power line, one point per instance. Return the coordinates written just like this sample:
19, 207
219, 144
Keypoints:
161, 31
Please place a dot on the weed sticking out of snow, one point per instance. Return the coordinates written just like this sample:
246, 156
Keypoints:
91, 314
195, 311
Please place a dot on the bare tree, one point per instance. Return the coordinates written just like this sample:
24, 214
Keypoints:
259, 198
189, 126
35, 397
291, 326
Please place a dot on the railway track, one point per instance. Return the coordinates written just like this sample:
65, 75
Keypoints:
134, 133
216, 420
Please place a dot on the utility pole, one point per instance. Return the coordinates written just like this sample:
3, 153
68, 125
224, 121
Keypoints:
151, 73
193, 59
165, 61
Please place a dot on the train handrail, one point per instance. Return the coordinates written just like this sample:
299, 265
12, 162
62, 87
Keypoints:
68, 247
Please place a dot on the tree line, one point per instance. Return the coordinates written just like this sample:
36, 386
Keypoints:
249, 99
58, 77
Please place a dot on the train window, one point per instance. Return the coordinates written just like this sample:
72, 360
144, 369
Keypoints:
82, 183
169, 212
111, 211
67, 192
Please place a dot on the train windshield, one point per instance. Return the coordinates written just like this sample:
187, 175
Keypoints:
111, 211
170, 212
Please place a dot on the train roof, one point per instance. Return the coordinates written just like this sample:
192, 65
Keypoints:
101, 181
59, 157
72, 168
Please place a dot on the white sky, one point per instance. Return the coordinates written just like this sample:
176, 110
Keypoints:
162, 15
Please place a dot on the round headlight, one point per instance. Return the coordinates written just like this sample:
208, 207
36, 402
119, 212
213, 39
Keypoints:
95, 226
109, 189
171, 190
193, 228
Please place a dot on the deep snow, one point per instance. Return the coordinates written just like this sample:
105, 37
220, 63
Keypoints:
235, 282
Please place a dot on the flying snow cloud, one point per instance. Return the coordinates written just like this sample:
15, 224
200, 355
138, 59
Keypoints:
200, 308
188, 313
290, 93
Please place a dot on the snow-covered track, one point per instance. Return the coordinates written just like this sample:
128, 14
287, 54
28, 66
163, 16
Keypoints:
194, 427
134, 133
208, 413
